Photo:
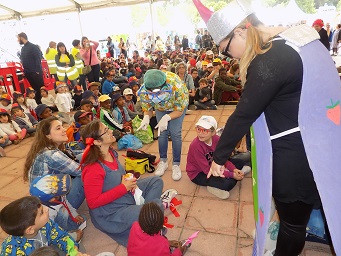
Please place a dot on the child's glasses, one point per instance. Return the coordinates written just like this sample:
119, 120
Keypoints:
202, 130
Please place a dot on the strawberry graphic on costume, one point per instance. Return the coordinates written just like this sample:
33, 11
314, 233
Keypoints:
334, 112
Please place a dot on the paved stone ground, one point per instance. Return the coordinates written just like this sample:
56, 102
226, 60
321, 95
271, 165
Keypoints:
225, 225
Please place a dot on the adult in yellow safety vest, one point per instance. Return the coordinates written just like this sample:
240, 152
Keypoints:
66, 69
50, 55
79, 62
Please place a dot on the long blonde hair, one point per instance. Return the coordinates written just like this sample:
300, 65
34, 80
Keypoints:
254, 43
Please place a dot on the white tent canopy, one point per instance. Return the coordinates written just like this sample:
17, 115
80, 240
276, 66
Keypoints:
18, 9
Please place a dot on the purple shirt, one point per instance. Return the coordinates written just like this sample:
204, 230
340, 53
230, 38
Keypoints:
200, 157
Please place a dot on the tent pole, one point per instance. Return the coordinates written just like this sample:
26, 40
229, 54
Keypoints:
152, 21
79, 20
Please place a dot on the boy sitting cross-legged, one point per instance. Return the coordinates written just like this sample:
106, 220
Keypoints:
27, 222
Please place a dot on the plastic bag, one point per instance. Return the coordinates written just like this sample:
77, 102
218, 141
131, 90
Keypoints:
146, 136
129, 141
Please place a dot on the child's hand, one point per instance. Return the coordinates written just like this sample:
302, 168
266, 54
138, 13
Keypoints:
204, 99
19, 136
174, 243
129, 184
238, 174
79, 219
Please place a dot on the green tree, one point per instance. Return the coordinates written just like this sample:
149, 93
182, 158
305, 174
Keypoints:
139, 14
308, 6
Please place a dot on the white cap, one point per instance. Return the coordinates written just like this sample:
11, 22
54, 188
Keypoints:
127, 91
209, 65
207, 122
209, 52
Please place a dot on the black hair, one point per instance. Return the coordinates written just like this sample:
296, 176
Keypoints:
6, 114
17, 216
151, 218
222, 69
76, 42
45, 251
66, 52
84, 37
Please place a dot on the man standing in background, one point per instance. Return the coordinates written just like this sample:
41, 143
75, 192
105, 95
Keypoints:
31, 57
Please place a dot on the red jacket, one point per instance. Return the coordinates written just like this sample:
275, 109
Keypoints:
142, 244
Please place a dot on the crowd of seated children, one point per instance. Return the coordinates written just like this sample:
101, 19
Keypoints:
129, 103
108, 84
89, 95
81, 118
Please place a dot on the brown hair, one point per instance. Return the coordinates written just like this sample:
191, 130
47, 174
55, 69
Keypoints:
40, 142
203, 80
92, 130
234, 68
51, 44
17, 216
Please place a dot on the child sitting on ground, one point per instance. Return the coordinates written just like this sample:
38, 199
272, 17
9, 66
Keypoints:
24, 120
146, 237
4, 141
108, 84
129, 103
89, 95
19, 98
81, 118
63, 103
11, 128
51, 189
120, 113
5, 103
200, 157
30, 98
43, 112
77, 96
27, 223
48, 99
203, 96
107, 118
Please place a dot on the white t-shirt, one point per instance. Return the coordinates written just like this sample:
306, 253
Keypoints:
49, 100
63, 103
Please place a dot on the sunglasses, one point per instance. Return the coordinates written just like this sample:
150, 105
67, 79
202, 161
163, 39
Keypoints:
226, 50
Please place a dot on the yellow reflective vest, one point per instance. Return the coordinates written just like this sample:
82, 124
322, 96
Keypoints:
71, 71
50, 59
78, 62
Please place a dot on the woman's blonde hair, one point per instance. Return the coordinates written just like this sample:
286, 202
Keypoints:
40, 142
254, 43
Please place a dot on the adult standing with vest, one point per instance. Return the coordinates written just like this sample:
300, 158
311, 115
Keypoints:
66, 69
50, 55
79, 62
89, 55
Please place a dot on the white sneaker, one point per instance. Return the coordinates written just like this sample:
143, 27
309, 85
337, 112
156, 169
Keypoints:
222, 194
161, 168
176, 172
246, 169
167, 197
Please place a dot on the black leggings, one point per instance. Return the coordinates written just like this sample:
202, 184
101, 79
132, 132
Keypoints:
294, 218
219, 182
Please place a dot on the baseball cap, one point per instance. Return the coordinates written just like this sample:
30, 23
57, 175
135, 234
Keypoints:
209, 65
217, 60
103, 98
49, 186
204, 63
87, 94
29, 90
80, 114
207, 122
127, 91
94, 84
16, 105
209, 52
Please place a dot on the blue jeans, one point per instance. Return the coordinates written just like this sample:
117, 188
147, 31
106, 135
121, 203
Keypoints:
5, 143
174, 129
76, 195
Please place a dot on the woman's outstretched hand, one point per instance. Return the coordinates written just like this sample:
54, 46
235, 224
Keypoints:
216, 170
